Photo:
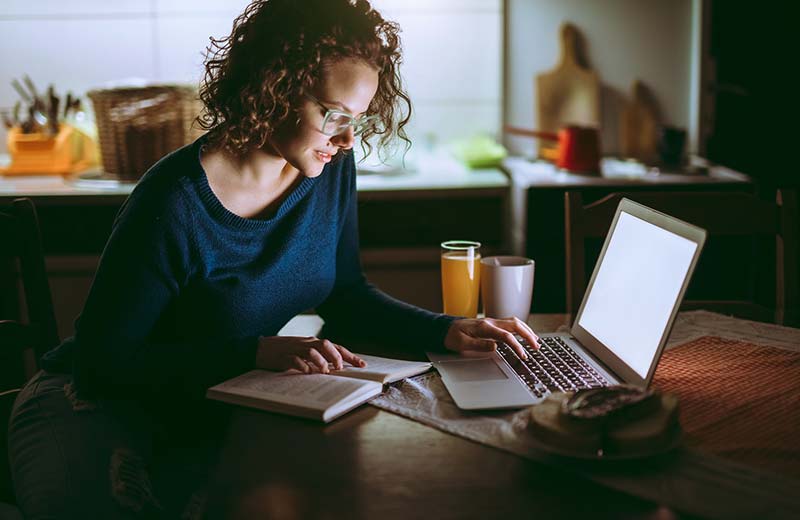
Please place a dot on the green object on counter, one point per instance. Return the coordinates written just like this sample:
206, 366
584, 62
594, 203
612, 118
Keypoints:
479, 152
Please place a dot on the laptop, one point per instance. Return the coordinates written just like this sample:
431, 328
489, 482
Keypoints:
619, 332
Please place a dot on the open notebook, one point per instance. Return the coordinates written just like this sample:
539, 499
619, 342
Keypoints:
316, 396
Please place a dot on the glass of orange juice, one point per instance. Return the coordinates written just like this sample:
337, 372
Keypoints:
461, 277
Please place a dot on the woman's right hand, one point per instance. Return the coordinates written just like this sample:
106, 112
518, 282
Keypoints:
306, 354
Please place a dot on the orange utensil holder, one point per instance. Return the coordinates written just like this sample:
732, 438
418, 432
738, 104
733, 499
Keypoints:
66, 152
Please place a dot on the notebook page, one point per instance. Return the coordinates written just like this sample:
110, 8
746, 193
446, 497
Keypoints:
310, 390
383, 369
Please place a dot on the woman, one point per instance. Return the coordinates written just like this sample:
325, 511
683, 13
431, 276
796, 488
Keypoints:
221, 243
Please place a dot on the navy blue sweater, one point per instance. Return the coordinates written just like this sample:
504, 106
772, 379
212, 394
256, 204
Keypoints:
185, 287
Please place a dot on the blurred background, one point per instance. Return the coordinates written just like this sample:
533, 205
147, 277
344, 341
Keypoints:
467, 62
712, 72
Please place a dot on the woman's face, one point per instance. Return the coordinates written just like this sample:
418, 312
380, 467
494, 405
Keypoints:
347, 85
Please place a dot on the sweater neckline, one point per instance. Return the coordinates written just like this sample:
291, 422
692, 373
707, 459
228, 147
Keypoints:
227, 217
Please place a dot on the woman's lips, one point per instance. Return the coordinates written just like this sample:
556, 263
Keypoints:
322, 156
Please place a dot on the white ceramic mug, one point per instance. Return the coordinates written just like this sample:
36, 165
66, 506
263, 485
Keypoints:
507, 286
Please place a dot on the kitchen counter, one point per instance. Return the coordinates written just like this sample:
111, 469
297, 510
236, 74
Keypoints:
400, 208
536, 202
439, 175
616, 174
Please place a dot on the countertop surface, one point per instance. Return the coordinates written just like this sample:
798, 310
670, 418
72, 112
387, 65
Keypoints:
429, 172
438, 171
617, 172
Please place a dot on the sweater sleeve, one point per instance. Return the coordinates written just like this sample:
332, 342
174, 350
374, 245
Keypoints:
357, 309
145, 264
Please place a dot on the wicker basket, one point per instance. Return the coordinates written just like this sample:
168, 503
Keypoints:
137, 126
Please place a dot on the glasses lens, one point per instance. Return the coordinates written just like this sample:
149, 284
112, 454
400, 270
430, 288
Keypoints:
336, 123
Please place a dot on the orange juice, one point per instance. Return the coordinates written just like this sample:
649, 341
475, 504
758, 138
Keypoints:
461, 281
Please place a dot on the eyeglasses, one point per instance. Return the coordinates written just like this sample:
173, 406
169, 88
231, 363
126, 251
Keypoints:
336, 122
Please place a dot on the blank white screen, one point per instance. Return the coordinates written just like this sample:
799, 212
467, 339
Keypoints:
636, 289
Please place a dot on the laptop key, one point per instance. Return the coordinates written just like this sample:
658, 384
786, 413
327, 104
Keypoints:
552, 368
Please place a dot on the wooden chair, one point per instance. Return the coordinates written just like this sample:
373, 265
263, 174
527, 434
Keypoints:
6, 487
22, 246
769, 227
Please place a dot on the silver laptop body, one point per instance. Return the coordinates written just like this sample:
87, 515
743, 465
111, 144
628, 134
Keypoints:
619, 332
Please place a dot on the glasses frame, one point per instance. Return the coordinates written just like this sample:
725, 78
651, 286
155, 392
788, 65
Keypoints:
359, 124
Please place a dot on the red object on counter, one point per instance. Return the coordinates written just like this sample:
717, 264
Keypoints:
579, 149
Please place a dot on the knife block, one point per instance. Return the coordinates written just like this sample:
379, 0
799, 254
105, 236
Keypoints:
69, 151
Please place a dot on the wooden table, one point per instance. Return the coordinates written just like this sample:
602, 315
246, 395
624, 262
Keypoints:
374, 464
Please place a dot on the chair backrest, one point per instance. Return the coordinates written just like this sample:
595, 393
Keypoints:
6, 404
732, 214
21, 244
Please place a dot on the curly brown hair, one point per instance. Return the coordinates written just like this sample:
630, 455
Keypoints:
255, 78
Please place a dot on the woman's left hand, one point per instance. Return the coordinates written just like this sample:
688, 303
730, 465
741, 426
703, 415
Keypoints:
482, 335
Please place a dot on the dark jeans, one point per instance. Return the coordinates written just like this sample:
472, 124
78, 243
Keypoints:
72, 458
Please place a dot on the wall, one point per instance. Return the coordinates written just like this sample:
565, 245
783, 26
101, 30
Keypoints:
452, 61
652, 40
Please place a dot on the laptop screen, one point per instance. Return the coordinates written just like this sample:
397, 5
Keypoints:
635, 289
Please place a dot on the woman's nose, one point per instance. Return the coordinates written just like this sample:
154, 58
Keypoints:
344, 140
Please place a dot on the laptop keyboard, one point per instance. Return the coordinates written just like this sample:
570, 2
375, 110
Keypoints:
554, 367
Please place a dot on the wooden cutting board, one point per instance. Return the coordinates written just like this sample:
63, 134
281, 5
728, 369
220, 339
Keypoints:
569, 94
639, 125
